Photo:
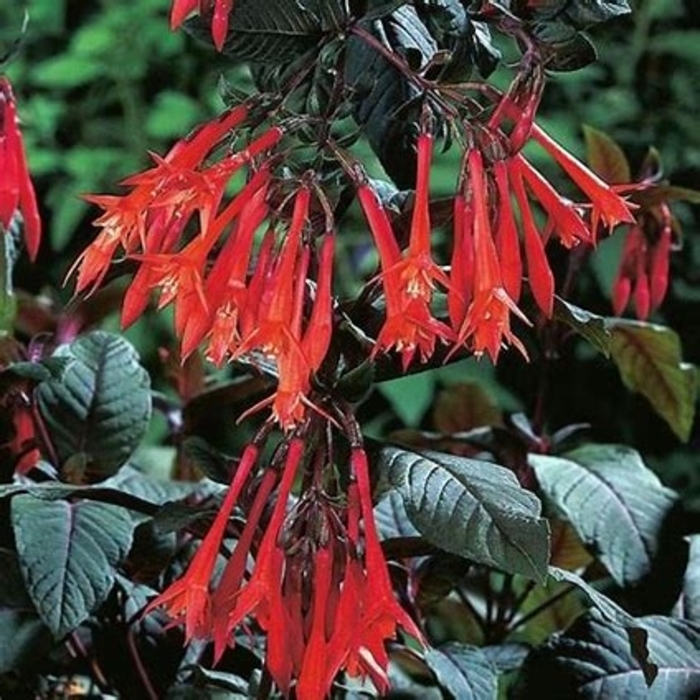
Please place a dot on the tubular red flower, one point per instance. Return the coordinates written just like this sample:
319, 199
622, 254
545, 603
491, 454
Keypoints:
276, 330
408, 281
380, 614
659, 266
539, 273
644, 266
229, 585
188, 600
153, 216
507, 241
226, 282
318, 332
568, 224
487, 322
16, 188
607, 205
254, 597
319, 586
461, 291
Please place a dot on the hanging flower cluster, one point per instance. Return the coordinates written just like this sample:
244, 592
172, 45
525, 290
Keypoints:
225, 229
320, 587
16, 189
176, 218
200, 248
500, 198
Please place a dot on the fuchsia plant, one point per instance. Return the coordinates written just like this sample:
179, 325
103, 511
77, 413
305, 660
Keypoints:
238, 228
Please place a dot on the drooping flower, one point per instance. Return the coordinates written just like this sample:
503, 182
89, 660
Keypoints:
643, 272
486, 323
607, 206
311, 575
188, 599
539, 273
380, 613
408, 279
273, 322
16, 188
153, 216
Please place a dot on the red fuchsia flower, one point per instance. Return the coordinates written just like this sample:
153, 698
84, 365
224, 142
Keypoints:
380, 615
219, 9
195, 249
486, 323
409, 280
188, 600
606, 205
644, 268
540, 275
564, 217
272, 324
506, 235
461, 290
16, 189
319, 586
153, 216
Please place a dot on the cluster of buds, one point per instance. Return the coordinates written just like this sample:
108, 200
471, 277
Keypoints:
320, 587
175, 220
644, 267
643, 273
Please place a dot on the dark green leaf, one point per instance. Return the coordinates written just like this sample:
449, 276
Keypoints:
131, 480
23, 636
98, 412
611, 611
614, 502
467, 43
506, 657
590, 326
383, 97
474, 509
48, 368
565, 47
606, 606
593, 660
463, 671
391, 518
605, 157
690, 598
584, 13
67, 553
650, 361
269, 31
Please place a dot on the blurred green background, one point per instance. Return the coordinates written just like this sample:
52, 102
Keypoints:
101, 83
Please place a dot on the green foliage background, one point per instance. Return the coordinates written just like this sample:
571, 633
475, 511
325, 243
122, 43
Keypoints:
101, 83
